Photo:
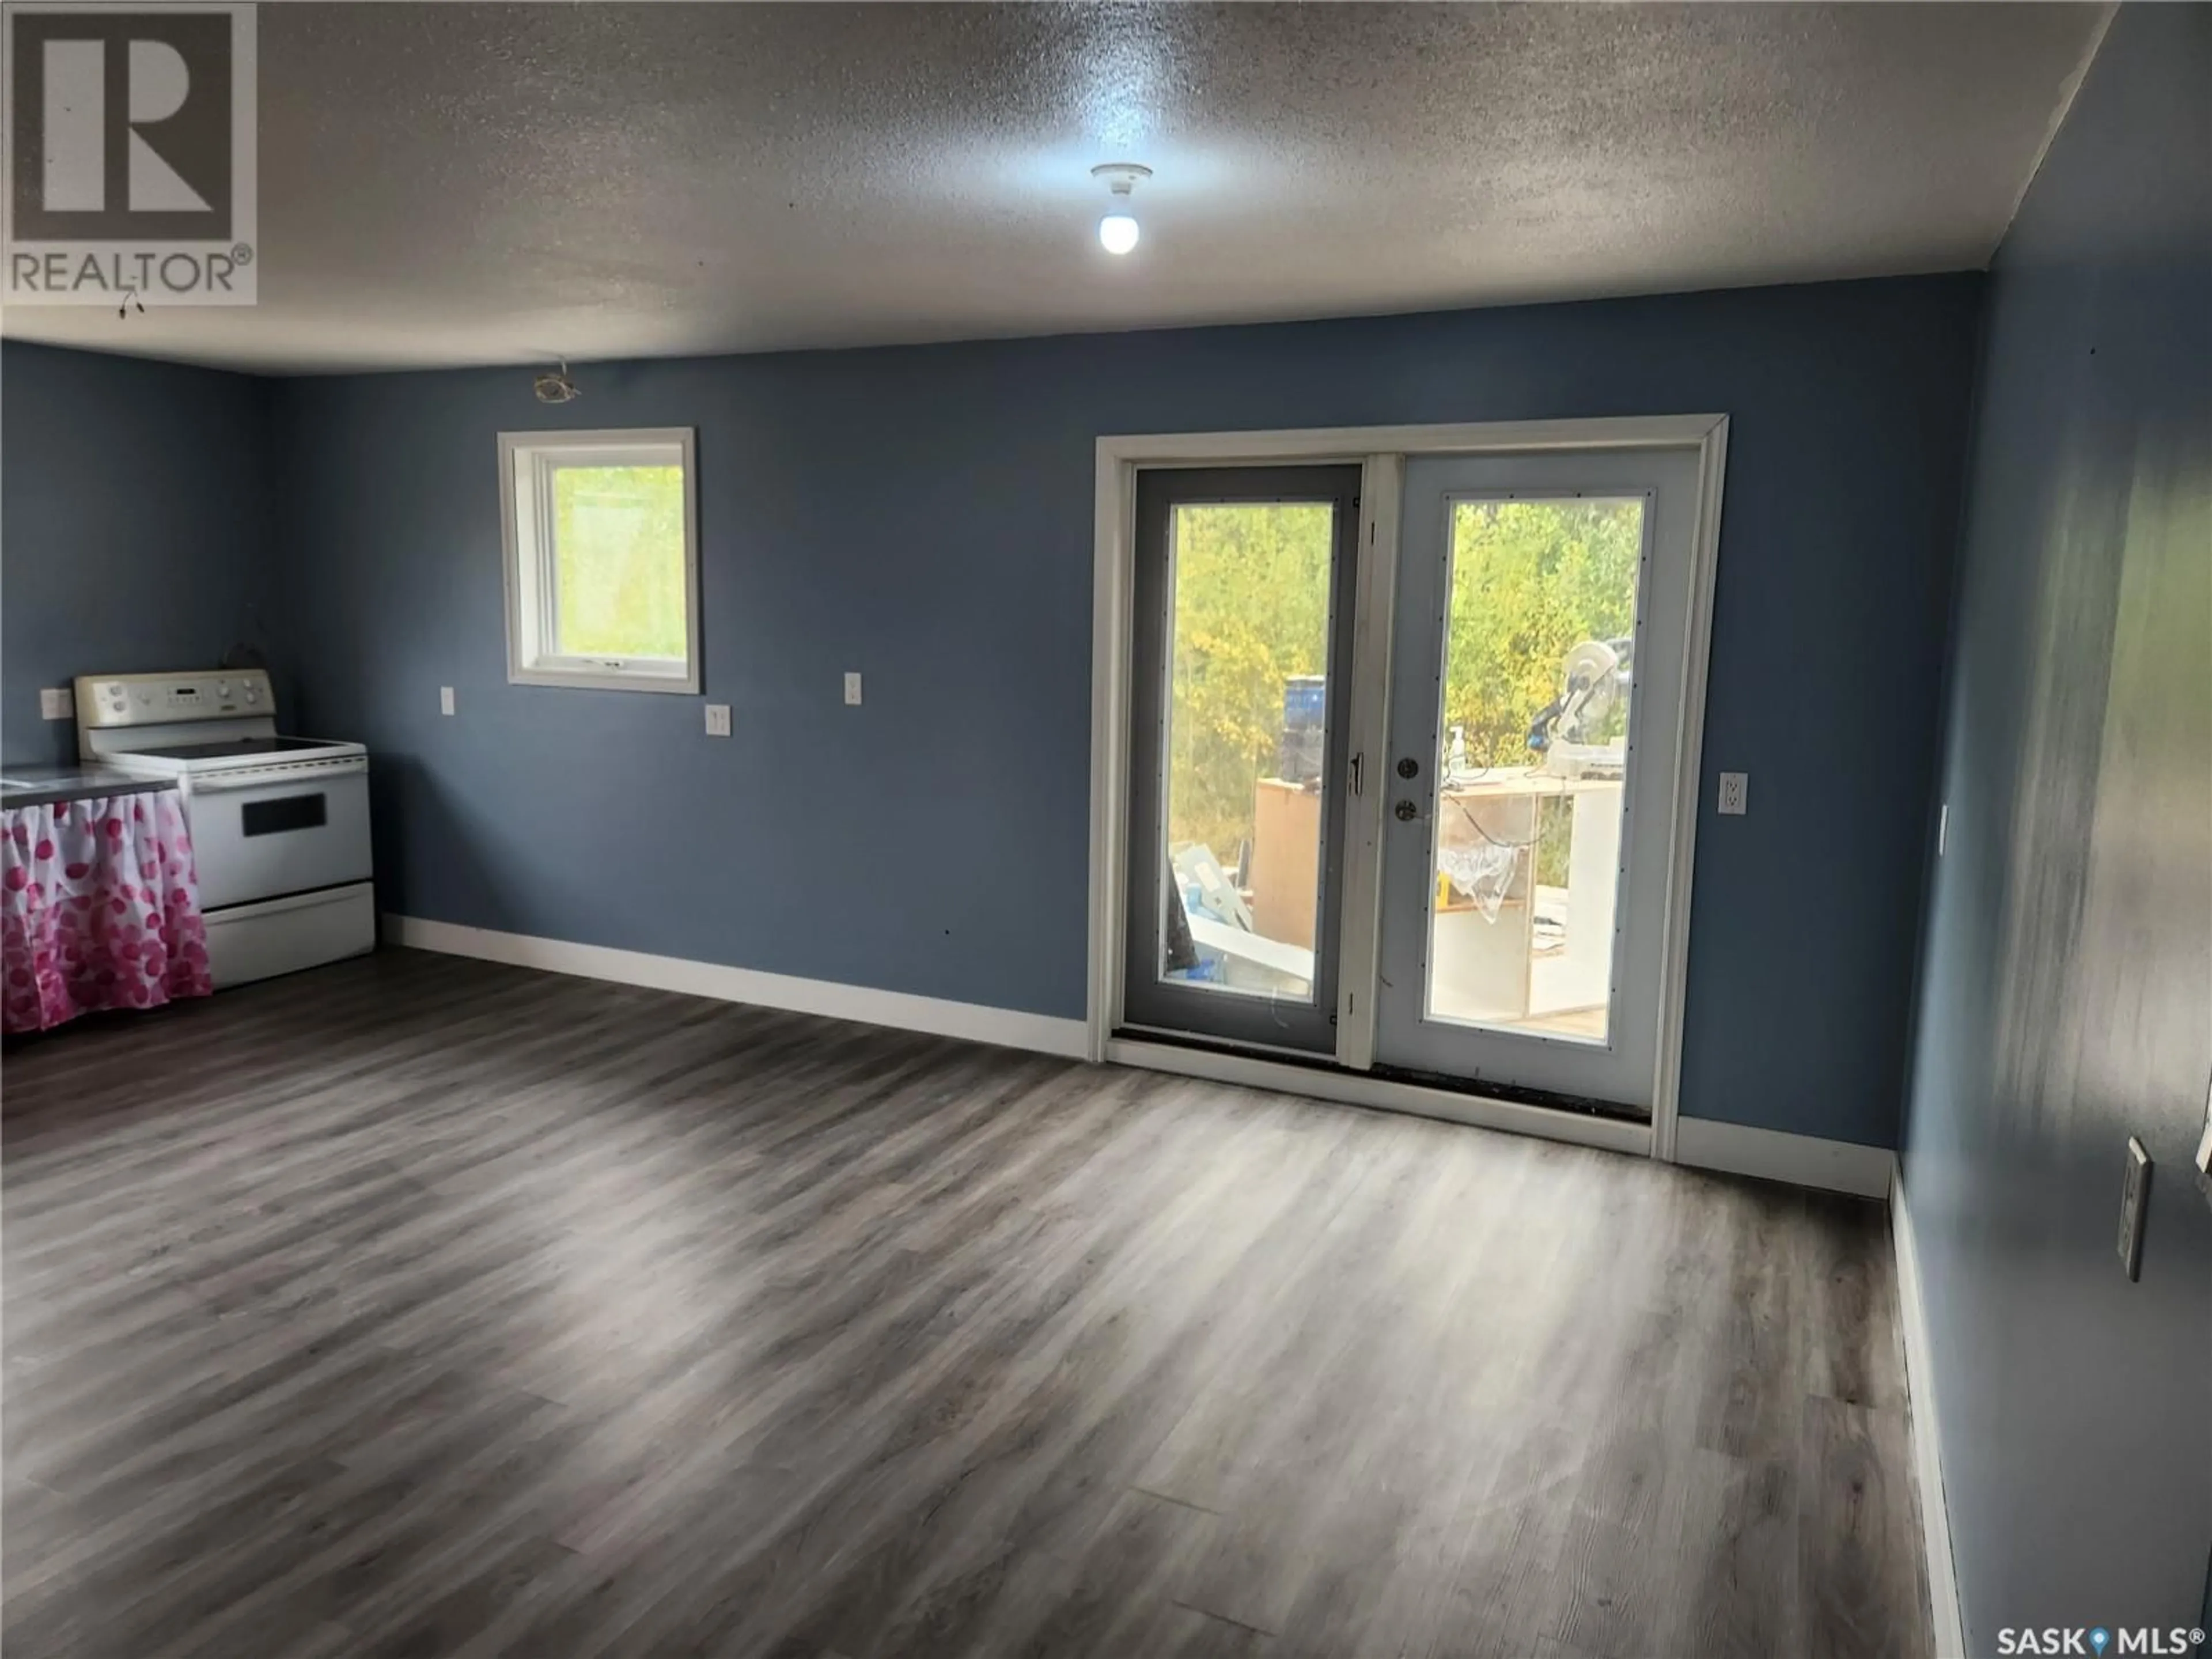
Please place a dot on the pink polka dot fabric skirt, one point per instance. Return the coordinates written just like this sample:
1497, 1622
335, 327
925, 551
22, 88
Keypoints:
99, 909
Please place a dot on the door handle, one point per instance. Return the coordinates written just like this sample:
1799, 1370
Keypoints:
282, 773
1407, 812
1359, 772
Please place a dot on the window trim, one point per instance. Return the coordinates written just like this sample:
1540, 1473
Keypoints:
524, 497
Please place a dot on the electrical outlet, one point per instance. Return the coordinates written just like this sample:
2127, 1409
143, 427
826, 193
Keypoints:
718, 720
2134, 1198
852, 691
1736, 794
2204, 1158
56, 702
445, 700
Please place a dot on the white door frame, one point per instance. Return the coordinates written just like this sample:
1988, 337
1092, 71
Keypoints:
1381, 451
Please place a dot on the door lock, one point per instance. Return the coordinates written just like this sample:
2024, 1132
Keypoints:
1409, 768
1407, 812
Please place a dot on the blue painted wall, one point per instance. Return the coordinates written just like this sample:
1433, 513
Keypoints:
924, 515
133, 518
2067, 995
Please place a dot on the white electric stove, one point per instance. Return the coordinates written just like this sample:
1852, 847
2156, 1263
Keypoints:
279, 824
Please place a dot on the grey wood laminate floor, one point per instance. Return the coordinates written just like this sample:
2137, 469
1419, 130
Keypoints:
419, 1306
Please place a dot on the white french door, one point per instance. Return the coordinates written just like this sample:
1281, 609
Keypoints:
1535, 728
1406, 803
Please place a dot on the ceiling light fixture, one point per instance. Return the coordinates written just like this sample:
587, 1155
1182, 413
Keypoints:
1117, 231
554, 386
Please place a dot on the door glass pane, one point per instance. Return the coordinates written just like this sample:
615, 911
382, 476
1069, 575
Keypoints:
1532, 764
1248, 703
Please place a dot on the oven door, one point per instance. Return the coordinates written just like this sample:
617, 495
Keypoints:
260, 832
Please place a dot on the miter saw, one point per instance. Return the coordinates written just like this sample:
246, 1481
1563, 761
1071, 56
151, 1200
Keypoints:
1595, 676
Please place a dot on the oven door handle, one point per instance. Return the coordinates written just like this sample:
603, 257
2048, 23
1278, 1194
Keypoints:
306, 772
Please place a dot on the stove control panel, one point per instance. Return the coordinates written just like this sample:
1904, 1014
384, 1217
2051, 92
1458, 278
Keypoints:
226, 694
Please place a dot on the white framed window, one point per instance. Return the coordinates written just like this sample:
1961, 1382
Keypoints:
602, 544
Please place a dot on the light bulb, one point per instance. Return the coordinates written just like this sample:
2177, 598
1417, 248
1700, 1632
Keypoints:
1117, 231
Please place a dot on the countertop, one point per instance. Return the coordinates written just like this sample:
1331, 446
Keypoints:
34, 786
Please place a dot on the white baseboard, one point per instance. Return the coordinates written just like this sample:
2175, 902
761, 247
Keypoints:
1927, 1442
1836, 1166
1007, 1027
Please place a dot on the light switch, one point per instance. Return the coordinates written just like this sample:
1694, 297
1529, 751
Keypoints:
2203, 1160
2135, 1194
853, 690
56, 702
1736, 794
445, 700
718, 720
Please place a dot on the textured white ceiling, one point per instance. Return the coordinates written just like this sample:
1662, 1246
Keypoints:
466, 184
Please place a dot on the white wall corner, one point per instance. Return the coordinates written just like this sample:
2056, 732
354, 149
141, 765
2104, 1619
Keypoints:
1835, 1166
1948, 1618
1009, 1028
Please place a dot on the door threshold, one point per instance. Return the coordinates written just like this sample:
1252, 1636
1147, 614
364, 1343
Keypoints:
1578, 1124
1547, 1099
